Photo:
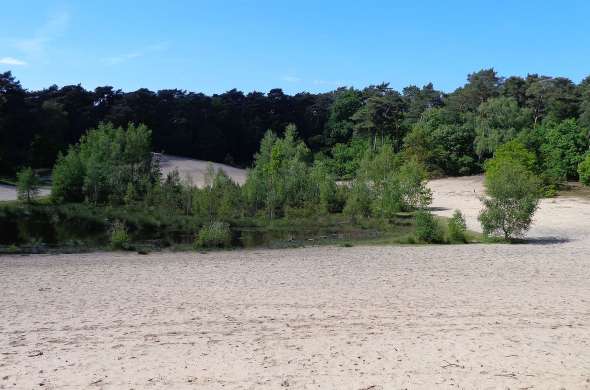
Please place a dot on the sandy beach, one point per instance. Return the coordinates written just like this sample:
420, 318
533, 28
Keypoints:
415, 317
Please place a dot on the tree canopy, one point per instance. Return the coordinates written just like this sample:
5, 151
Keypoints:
450, 133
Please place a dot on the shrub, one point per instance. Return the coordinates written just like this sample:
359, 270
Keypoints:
119, 236
216, 234
457, 227
27, 185
513, 196
584, 171
68, 178
427, 227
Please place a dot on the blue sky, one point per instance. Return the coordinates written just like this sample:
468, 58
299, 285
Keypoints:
213, 46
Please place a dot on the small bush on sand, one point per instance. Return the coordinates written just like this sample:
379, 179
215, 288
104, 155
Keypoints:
27, 185
513, 195
119, 236
457, 227
214, 235
428, 228
584, 171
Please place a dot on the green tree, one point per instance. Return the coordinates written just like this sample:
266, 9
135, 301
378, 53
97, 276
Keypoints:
219, 199
428, 228
27, 185
511, 151
443, 143
380, 117
345, 158
102, 166
340, 125
281, 175
498, 120
68, 178
385, 185
457, 227
513, 194
563, 147
584, 170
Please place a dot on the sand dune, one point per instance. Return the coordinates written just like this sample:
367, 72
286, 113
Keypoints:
9, 192
187, 167
196, 169
423, 317
563, 217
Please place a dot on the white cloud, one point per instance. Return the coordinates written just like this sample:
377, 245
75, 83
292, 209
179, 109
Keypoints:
291, 79
11, 61
135, 54
328, 82
53, 28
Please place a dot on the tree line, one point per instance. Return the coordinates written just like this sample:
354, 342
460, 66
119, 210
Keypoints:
449, 133
114, 167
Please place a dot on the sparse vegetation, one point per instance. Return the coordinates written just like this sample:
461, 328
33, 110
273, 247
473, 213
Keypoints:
428, 228
513, 194
214, 235
457, 227
119, 235
27, 185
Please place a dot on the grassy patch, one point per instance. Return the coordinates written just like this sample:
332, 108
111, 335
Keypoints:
81, 227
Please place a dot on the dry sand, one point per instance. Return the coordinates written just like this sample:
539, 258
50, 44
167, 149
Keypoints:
561, 218
196, 169
470, 316
9, 192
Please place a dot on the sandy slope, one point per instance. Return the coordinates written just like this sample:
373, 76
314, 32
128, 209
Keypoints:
471, 316
557, 218
196, 169
9, 192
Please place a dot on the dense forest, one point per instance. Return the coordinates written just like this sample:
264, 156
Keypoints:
451, 134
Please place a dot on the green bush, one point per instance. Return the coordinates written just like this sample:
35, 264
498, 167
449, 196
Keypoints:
457, 227
513, 194
584, 171
119, 236
27, 185
427, 228
216, 234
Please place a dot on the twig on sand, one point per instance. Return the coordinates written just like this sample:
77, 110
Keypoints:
35, 353
508, 375
96, 382
449, 364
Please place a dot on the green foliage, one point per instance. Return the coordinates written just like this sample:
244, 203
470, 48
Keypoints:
104, 164
340, 125
282, 177
323, 186
27, 185
563, 147
498, 120
214, 235
380, 118
68, 178
345, 158
119, 237
385, 185
428, 228
443, 143
513, 194
359, 200
511, 151
584, 171
220, 199
457, 227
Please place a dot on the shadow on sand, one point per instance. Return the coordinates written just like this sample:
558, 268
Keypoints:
544, 241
